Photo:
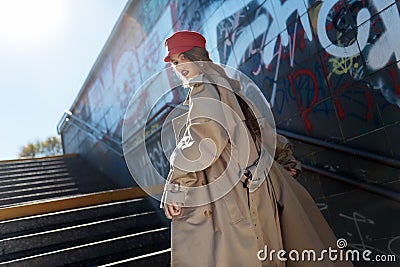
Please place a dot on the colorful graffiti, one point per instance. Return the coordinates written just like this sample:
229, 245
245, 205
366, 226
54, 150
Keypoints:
349, 38
271, 43
332, 60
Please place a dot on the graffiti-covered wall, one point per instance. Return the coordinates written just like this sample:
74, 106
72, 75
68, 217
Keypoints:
330, 70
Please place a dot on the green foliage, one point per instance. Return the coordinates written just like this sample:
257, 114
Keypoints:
48, 147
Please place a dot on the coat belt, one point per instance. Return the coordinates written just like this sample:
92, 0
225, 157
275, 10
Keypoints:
254, 175
251, 177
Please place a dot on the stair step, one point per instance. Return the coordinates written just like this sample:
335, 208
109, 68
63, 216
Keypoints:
66, 218
32, 162
37, 196
36, 174
155, 259
13, 186
135, 243
80, 234
17, 169
33, 178
36, 189
87, 185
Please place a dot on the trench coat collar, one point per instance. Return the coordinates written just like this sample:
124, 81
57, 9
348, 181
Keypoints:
194, 82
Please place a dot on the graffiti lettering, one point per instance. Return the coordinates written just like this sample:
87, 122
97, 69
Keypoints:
362, 32
304, 110
358, 218
389, 43
391, 246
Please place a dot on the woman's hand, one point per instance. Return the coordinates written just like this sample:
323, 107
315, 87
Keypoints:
171, 210
293, 172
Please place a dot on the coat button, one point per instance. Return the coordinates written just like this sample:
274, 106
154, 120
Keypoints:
207, 213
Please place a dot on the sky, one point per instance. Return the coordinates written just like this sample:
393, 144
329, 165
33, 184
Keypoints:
47, 49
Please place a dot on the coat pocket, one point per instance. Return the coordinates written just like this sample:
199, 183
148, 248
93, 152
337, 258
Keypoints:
195, 215
233, 207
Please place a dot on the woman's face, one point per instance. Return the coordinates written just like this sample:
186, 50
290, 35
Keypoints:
182, 65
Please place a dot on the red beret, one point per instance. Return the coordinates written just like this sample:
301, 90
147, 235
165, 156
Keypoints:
183, 41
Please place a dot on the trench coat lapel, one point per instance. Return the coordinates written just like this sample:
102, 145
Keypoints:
178, 124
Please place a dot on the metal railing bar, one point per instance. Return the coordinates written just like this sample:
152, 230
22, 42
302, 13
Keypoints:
341, 148
393, 195
167, 105
120, 154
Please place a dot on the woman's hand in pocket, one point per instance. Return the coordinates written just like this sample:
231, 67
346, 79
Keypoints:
171, 209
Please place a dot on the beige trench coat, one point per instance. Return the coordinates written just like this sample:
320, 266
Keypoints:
232, 231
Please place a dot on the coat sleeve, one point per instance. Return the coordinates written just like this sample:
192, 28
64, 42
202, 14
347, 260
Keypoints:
284, 155
203, 142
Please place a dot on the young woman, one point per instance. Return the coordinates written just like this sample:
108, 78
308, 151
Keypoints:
248, 224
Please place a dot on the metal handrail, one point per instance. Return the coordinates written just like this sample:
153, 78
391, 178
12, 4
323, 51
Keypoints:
100, 139
101, 136
154, 132
167, 105
68, 115
372, 188
63, 120
375, 189
337, 147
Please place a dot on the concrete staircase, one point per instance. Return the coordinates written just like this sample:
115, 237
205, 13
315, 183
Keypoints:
129, 232
88, 236
28, 180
